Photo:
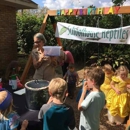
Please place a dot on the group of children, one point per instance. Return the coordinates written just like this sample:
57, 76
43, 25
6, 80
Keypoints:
56, 115
116, 89
101, 87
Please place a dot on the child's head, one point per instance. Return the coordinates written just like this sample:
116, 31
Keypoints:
122, 71
108, 69
13, 67
71, 67
95, 77
6, 102
58, 88
86, 70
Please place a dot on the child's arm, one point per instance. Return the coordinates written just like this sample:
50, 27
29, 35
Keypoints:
77, 79
112, 84
128, 86
24, 125
65, 76
82, 96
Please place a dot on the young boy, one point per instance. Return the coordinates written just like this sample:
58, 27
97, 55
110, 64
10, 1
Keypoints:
72, 79
92, 105
84, 79
55, 114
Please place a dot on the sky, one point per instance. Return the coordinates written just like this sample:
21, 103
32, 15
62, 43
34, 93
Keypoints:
67, 4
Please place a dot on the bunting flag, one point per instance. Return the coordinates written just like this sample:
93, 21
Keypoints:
92, 34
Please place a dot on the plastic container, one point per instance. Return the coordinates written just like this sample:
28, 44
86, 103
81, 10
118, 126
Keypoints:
52, 50
36, 92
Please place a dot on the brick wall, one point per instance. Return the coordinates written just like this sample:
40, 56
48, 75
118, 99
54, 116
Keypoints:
8, 46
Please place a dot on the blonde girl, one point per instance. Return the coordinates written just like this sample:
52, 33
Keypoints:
118, 98
105, 87
8, 117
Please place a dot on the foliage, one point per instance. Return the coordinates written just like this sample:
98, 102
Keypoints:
110, 21
111, 54
29, 23
27, 26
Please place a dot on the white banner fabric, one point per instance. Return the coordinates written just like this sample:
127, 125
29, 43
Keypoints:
92, 34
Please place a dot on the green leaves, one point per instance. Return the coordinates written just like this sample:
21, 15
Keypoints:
27, 25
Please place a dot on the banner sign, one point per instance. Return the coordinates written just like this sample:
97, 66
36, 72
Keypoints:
89, 11
92, 34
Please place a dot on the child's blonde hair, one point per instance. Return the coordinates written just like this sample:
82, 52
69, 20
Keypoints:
122, 68
7, 107
58, 87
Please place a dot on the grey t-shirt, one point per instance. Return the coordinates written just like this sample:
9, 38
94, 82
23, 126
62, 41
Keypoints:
92, 106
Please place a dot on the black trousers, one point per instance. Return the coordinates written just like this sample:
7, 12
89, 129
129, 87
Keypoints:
71, 89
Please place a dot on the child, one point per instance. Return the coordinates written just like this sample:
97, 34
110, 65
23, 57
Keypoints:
118, 98
55, 114
105, 87
8, 118
12, 72
80, 91
92, 105
72, 80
